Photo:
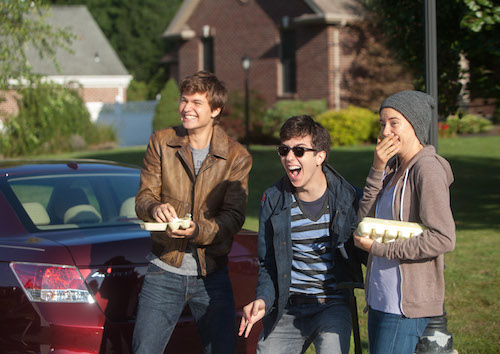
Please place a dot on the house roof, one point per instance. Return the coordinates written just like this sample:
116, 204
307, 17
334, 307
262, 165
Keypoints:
340, 7
325, 11
92, 54
332, 11
178, 27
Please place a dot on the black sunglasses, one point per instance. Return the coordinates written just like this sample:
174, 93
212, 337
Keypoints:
298, 151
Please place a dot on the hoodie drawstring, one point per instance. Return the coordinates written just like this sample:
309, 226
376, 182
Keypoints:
403, 194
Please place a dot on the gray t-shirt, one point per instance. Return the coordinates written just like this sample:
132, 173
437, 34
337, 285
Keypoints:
190, 260
384, 292
199, 155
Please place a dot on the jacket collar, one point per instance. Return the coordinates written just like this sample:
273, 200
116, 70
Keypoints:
343, 191
219, 144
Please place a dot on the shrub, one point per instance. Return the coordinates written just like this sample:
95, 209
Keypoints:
452, 122
444, 130
350, 126
167, 110
98, 134
137, 91
468, 124
51, 119
282, 110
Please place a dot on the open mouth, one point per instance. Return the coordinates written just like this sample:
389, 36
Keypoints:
294, 171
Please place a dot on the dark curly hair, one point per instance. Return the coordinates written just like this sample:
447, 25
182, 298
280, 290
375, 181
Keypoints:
300, 126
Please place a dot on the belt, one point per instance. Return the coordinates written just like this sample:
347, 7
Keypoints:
300, 300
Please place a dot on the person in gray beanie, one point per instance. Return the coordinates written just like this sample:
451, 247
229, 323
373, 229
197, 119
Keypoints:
404, 283
417, 108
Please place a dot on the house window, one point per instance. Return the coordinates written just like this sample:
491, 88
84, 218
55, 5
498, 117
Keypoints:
288, 69
208, 54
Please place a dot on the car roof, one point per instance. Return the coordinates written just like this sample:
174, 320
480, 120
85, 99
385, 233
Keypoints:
36, 167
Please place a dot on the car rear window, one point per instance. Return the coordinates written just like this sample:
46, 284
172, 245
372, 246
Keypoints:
77, 201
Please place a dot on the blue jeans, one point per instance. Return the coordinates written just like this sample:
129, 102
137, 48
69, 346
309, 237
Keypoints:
162, 300
328, 326
389, 333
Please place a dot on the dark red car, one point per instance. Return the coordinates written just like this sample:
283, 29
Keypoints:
72, 260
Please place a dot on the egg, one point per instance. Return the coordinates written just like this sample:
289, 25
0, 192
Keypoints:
185, 223
364, 229
174, 224
391, 233
404, 234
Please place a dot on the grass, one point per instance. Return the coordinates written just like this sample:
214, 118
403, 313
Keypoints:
472, 270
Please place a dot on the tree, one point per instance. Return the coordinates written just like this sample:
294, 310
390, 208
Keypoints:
402, 23
52, 118
166, 111
134, 29
374, 73
482, 47
480, 14
22, 24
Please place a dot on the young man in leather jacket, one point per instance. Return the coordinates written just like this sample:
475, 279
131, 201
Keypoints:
193, 168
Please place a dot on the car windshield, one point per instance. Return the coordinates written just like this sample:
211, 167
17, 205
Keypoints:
77, 201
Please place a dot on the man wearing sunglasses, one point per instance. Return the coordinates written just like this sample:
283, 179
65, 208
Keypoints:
305, 249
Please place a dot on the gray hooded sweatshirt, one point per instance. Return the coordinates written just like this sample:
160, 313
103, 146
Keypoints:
421, 195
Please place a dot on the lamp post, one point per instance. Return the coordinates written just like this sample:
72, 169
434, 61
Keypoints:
431, 76
245, 63
436, 338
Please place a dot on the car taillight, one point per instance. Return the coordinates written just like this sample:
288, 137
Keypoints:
51, 283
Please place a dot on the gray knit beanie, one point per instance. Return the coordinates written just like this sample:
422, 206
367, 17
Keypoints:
417, 108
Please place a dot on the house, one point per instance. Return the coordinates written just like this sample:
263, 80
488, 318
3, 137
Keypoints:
299, 49
92, 63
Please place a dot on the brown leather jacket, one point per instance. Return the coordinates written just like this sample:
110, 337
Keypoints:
216, 198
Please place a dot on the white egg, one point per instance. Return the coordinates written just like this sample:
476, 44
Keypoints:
174, 224
185, 223
379, 230
364, 229
391, 231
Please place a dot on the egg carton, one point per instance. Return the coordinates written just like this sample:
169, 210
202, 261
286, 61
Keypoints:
385, 231
181, 223
176, 224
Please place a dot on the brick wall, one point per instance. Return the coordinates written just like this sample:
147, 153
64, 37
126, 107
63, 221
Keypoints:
324, 53
314, 66
251, 28
484, 107
105, 95
349, 47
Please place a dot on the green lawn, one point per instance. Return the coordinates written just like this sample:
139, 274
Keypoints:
472, 270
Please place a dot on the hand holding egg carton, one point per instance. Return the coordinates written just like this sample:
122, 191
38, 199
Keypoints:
176, 224
385, 231
180, 223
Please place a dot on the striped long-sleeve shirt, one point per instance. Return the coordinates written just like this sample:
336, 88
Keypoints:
312, 267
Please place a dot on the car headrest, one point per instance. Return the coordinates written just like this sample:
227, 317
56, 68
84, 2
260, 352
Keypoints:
37, 213
82, 214
128, 208
64, 198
